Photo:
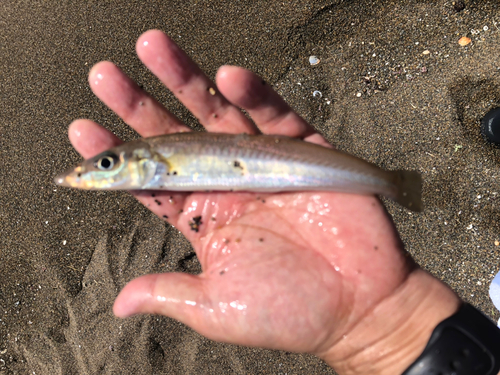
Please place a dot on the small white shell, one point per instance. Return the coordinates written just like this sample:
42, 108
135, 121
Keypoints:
313, 60
317, 93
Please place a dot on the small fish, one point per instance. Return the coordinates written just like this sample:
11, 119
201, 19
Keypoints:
199, 161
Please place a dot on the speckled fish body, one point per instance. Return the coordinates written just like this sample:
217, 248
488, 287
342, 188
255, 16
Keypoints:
225, 162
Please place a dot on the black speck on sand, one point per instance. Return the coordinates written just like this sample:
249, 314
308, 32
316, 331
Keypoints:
397, 89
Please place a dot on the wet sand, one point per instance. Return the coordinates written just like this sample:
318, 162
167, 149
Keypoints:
396, 89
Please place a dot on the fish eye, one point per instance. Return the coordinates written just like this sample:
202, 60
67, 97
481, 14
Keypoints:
106, 162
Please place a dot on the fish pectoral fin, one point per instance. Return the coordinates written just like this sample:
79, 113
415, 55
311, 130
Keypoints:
159, 158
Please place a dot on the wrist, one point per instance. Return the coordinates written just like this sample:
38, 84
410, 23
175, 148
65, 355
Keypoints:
391, 336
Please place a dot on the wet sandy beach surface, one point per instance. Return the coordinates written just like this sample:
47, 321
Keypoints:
396, 89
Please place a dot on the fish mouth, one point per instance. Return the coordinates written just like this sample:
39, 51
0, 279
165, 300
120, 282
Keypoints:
69, 178
62, 180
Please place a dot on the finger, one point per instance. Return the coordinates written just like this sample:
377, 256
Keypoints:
90, 139
137, 108
271, 113
190, 85
177, 295
163, 294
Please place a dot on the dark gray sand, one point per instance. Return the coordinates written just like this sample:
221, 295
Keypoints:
397, 89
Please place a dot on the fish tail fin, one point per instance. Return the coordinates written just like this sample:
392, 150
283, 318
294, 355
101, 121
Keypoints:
409, 194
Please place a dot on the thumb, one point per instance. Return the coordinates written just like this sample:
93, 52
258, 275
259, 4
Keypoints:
177, 295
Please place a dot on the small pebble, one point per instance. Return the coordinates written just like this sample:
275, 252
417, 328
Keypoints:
313, 60
195, 223
458, 5
426, 52
497, 243
211, 90
463, 41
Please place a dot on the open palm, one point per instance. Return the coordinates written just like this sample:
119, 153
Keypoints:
293, 271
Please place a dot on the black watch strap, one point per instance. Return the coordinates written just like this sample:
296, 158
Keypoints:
467, 343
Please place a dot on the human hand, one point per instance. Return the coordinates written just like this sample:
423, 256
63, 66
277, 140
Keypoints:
302, 271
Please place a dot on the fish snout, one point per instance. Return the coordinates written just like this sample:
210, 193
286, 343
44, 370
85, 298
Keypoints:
70, 178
